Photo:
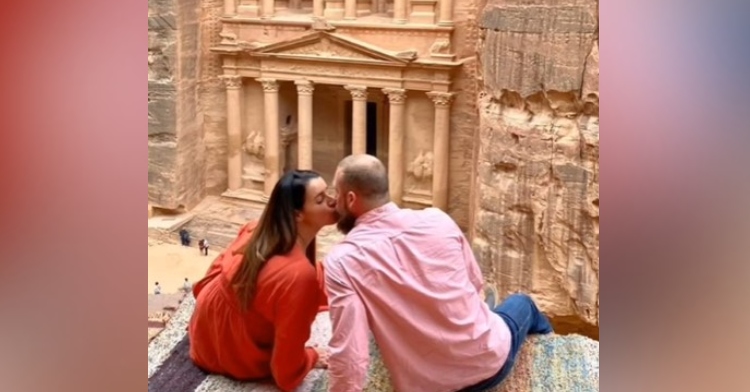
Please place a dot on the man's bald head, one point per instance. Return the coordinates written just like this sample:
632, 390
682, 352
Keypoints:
365, 175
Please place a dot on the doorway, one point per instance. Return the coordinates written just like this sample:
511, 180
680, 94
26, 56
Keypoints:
373, 127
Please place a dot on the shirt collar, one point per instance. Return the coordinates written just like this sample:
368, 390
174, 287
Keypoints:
374, 215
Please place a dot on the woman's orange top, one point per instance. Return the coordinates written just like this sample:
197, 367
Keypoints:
268, 340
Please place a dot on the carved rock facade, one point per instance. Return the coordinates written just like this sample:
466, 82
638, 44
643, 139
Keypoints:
537, 192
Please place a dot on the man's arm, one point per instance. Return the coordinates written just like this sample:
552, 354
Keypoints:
349, 345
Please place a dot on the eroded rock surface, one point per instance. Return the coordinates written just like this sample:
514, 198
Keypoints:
537, 193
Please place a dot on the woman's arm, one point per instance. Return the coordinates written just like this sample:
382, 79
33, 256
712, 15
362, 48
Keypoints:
296, 308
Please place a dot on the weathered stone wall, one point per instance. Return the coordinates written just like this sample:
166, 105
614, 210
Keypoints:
174, 124
537, 193
464, 120
213, 99
190, 150
162, 130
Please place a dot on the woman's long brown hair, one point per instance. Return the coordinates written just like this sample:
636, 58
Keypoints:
276, 233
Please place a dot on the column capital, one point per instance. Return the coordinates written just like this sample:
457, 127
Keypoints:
304, 87
395, 95
232, 81
269, 85
359, 93
441, 99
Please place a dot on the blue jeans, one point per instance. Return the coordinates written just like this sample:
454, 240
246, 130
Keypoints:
523, 318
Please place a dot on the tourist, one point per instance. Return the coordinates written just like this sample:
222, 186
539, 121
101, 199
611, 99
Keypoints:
203, 245
184, 237
411, 278
255, 308
157, 289
187, 286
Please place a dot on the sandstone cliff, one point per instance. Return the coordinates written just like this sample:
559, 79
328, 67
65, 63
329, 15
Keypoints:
175, 148
536, 201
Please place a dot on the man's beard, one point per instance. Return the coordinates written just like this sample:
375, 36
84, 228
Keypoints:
346, 222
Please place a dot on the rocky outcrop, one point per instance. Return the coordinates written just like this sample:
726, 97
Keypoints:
530, 45
536, 218
175, 164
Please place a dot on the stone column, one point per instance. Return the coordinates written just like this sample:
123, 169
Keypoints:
268, 9
271, 116
334, 9
305, 126
230, 7
399, 11
397, 117
446, 13
350, 9
441, 151
318, 8
359, 119
234, 130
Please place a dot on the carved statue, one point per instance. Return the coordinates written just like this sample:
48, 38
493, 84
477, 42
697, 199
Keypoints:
421, 167
441, 46
228, 38
255, 145
320, 24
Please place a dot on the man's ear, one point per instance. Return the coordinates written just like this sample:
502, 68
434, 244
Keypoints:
351, 198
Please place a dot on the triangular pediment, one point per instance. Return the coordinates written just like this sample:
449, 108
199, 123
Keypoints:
328, 46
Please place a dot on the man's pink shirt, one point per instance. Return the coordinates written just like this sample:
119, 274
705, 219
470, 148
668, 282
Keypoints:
410, 278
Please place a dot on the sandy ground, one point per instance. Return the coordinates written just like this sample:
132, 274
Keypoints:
170, 264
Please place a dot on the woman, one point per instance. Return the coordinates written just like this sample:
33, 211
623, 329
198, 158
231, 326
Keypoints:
256, 306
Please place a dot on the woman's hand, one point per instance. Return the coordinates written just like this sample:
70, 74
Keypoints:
323, 356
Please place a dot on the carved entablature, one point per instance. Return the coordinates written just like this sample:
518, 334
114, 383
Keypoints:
327, 57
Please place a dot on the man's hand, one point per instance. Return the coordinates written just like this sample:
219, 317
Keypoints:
323, 356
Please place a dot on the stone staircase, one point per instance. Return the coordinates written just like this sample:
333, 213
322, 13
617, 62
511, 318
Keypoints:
216, 219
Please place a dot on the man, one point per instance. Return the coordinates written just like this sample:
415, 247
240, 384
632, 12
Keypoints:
410, 277
185, 237
203, 245
157, 289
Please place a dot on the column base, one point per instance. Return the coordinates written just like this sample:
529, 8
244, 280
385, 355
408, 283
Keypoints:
247, 195
421, 199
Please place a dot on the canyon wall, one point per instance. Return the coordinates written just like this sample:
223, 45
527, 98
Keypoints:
536, 201
175, 141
